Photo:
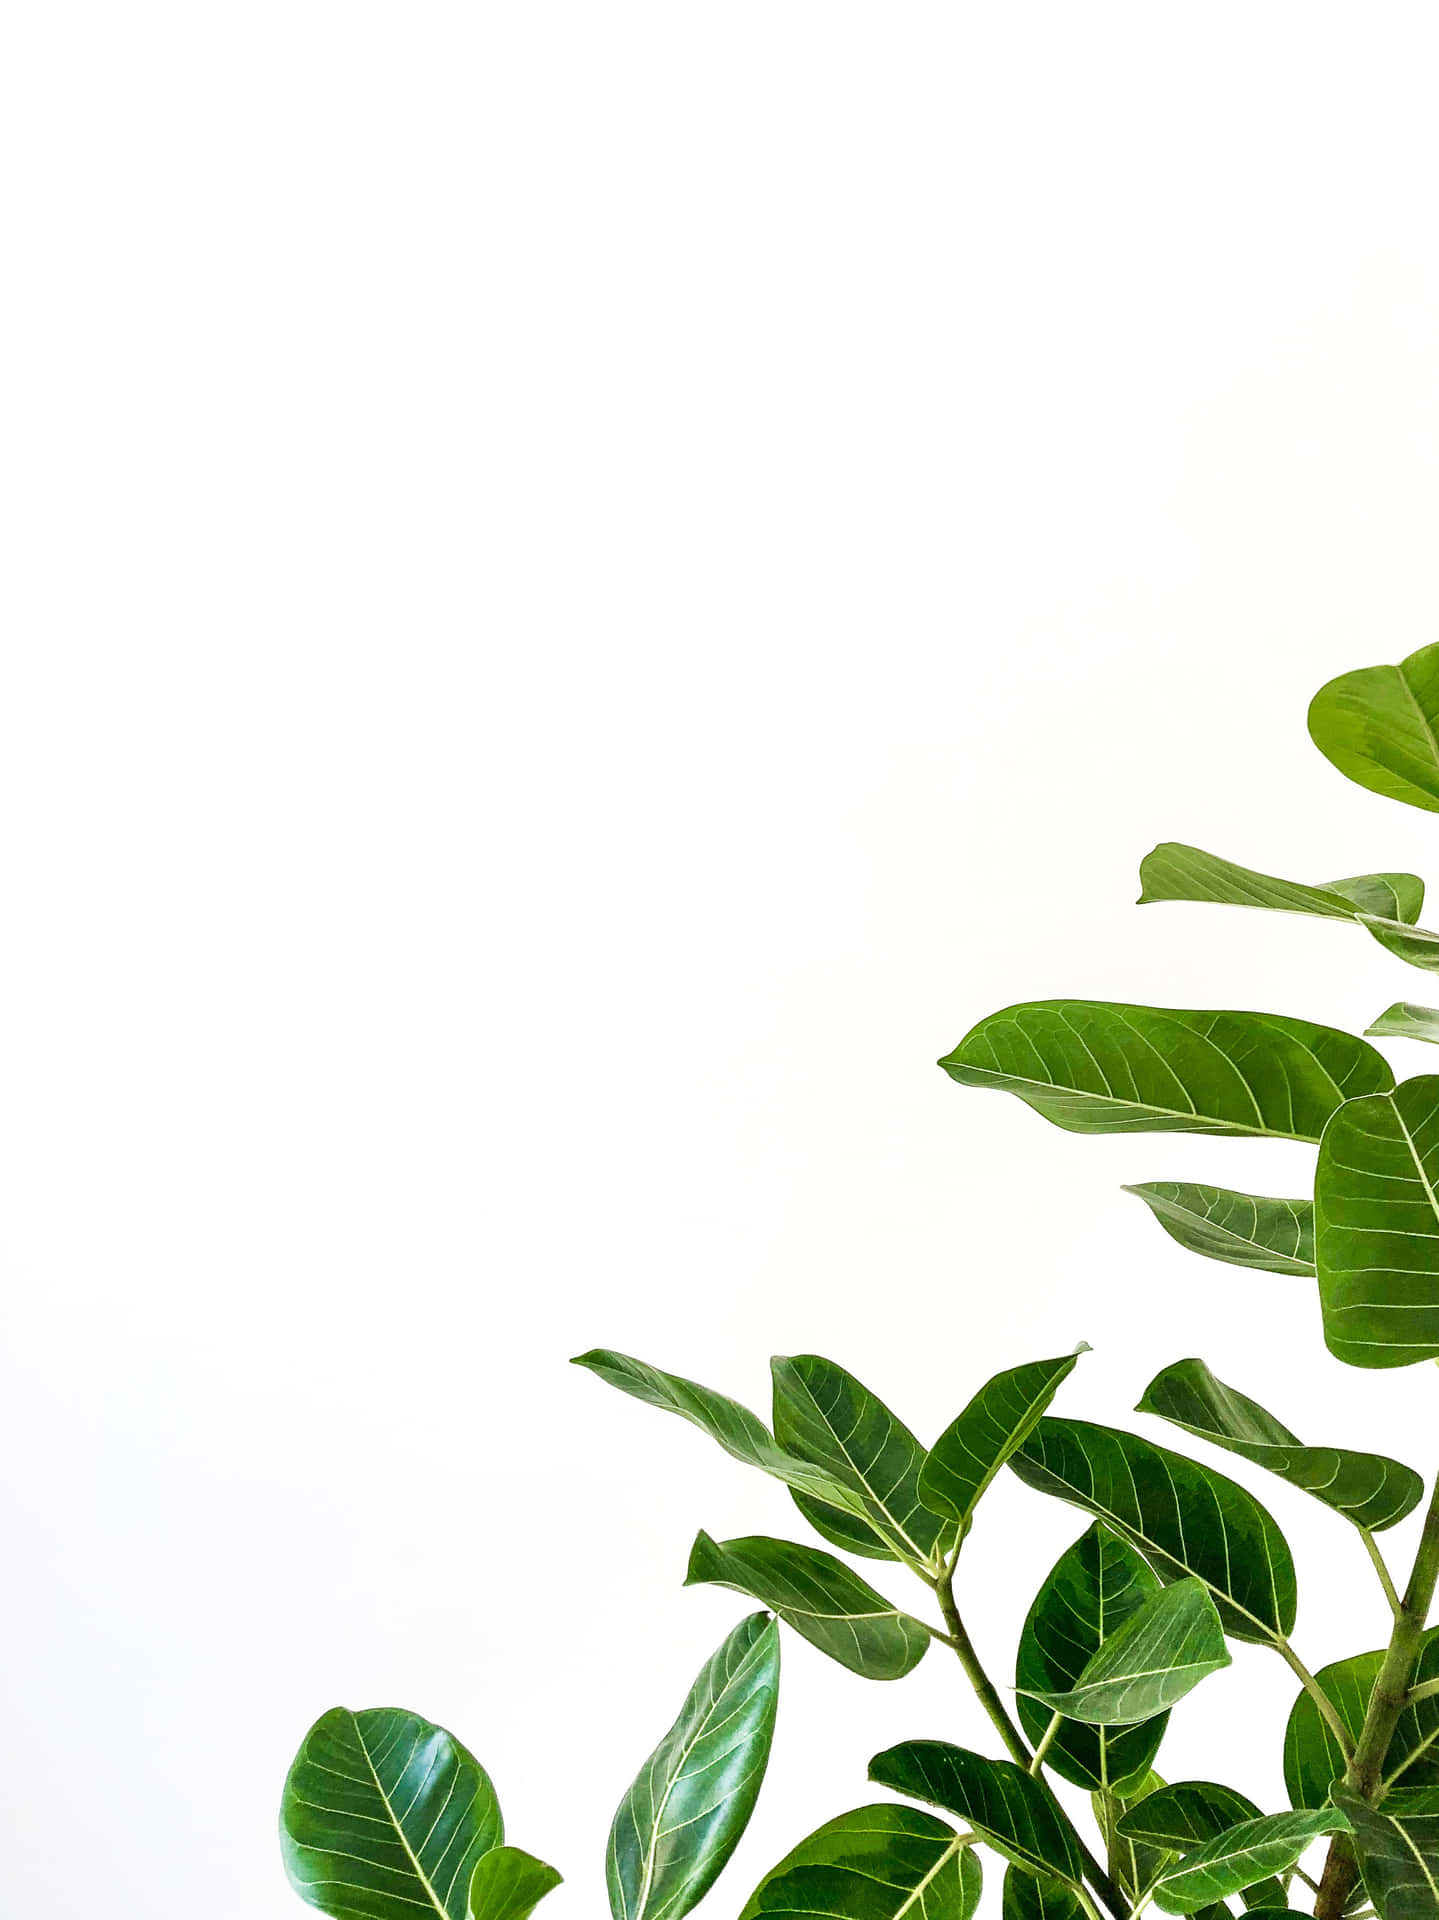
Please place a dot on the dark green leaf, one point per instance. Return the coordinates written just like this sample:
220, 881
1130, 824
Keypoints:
1312, 1756
819, 1597
825, 1416
1187, 1814
508, 1884
877, 1863
1367, 1488
1133, 1863
973, 1448
1241, 1855
1092, 1066
1378, 726
1376, 1216
1397, 1845
1176, 872
1406, 1021
1092, 1589
1243, 1229
1184, 1518
1035, 1896
998, 1799
683, 1817
385, 1814
1149, 1664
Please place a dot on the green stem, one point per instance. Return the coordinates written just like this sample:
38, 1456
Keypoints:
1391, 1593
1320, 1698
1055, 1723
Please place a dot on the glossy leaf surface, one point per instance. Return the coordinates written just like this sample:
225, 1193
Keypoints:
877, 1863
1378, 726
1160, 1653
998, 1799
1406, 1021
1242, 1229
386, 1814
1312, 1756
1397, 1845
1174, 871
508, 1884
683, 1817
1185, 1815
1095, 1066
1367, 1488
1035, 1896
972, 1449
1376, 1220
818, 1596
1183, 1517
1240, 1856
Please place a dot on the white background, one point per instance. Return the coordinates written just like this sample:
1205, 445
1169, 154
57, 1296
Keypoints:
587, 586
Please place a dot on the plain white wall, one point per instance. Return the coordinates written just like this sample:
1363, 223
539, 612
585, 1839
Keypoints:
587, 586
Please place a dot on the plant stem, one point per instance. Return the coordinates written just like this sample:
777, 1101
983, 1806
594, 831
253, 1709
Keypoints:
1056, 1722
1320, 1698
1385, 1580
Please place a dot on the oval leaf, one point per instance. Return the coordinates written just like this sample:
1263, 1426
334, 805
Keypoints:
1312, 1756
1184, 1518
1149, 1664
1092, 1589
1406, 1021
1241, 1856
1176, 872
1093, 1066
1187, 1814
1376, 1217
385, 1813
877, 1863
998, 1799
508, 1884
1367, 1488
1378, 726
972, 1449
1242, 1229
1397, 1845
683, 1817
1034, 1896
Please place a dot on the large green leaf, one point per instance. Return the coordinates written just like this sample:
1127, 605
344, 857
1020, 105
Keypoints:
1092, 1066
1367, 1488
1312, 1756
1240, 1856
1000, 1801
1089, 1593
1035, 1896
1176, 872
824, 1415
385, 1814
972, 1449
740, 1432
1376, 1218
1242, 1229
1378, 726
1185, 1815
508, 1884
1406, 1021
683, 1817
877, 1863
1397, 1845
1184, 1518
1150, 1663
819, 1597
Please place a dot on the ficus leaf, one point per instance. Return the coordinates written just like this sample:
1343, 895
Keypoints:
1147, 1665
1367, 1488
1416, 946
1376, 1220
1397, 1846
819, 1597
998, 1799
1094, 1066
683, 1817
1240, 1856
1174, 871
508, 1884
1406, 1021
1185, 1815
877, 1863
1038, 1896
970, 1452
1242, 1229
1378, 726
386, 1814
1312, 1756
1183, 1517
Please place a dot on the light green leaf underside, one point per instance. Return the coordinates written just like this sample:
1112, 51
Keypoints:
1406, 1021
1183, 1517
1094, 1066
822, 1414
998, 1799
1414, 945
1376, 1227
1174, 871
1312, 1756
1187, 1814
741, 1433
1241, 1856
1150, 1663
1034, 1896
683, 1817
1089, 1593
970, 1452
877, 1863
1367, 1488
384, 1815
1378, 726
1242, 1229
1397, 1845
819, 1597
508, 1884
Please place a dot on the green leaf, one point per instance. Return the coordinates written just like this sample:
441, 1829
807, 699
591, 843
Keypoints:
1092, 1590
1378, 726
1184, 1518
1149, 1664
1187, 1814
692, 1799
1367, 1488
740, 1432
383, 1814
1240, 1856
825, 1416
1397, 1845
1036, 1896
1376, 1217
1092, 1066
1243, 1229
1406, 1021
1312, 1756
1176, 872
972, 1449
508, 1884
1000, 1801
877, 1863
819, 1597
1414, 945
1133, 1863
